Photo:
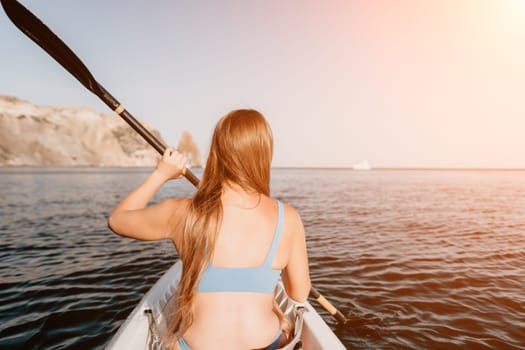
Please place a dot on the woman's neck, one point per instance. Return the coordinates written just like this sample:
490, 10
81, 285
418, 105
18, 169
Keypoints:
235, 195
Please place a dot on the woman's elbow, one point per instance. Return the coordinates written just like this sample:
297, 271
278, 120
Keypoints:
305, 293
301, 294
113, 224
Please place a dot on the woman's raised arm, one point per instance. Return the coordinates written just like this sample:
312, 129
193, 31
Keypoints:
132, 218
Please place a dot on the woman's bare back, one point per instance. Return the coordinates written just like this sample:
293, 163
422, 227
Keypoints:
240, 320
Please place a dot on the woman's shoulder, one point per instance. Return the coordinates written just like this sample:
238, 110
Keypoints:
293, 233
292, 218
178, 203
176, 207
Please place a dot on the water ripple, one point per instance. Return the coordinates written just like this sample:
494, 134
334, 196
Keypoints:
415, 259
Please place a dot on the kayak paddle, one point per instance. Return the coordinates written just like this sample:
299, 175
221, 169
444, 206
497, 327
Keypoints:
37, 31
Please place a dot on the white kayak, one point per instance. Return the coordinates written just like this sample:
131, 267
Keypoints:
145, 325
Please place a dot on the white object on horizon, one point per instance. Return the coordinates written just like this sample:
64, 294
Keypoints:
362, 165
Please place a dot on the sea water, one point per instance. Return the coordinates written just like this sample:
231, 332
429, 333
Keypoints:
414, 259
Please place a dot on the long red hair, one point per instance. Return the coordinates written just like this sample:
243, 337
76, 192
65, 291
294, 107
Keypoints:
240, 153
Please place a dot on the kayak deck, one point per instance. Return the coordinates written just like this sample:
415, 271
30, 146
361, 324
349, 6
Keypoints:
134, 333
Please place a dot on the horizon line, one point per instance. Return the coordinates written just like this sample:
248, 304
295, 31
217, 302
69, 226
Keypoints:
403, 168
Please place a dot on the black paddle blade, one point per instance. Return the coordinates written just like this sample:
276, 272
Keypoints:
31, 26
37, 31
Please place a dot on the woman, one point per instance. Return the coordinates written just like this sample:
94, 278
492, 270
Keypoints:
233, 239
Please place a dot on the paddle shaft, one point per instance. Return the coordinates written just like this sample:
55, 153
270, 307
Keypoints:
157, 144
314, 293
37, 31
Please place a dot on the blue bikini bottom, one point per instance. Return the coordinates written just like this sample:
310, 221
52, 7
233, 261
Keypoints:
273, 346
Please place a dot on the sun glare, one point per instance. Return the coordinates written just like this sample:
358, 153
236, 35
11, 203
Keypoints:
515, 8
518, 5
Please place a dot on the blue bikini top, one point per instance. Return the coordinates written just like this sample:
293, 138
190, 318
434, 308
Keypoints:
260, 279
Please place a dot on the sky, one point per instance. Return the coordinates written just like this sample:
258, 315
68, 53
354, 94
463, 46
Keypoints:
399, 83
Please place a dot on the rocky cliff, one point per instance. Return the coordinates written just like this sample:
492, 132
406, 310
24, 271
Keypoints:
190, 148
32, 135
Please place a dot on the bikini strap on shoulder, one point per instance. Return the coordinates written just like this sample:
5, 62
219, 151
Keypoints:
276, 235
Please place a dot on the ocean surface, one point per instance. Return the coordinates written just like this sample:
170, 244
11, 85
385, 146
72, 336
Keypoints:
415, 259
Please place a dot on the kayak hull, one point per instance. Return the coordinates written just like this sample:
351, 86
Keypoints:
136, 333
